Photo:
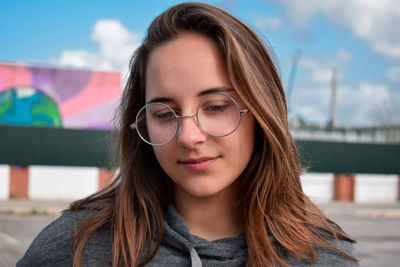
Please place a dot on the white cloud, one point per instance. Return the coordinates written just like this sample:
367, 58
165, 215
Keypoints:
355, 105
270, 23
387, 112
376, 22
322, 75
116, 45
360, 104
393, 74
312, 103
322, 69
343, 55
313, 114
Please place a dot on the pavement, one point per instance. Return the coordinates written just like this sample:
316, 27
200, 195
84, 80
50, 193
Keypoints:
334, 208
32, 207
376, 227
366, 210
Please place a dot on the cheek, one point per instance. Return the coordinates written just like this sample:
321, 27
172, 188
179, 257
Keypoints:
241, 142
167, 158
247, 132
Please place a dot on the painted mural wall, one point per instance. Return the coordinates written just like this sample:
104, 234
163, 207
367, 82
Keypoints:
55, 97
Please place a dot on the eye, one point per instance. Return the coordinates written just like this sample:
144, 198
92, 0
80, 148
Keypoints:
216, 106
166, 114
160, 112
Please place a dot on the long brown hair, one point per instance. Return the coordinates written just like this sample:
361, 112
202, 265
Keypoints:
273, 203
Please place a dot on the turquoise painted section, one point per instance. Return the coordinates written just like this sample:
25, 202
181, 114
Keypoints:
27, 106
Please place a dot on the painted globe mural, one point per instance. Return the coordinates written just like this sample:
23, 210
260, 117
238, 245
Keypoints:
28, 106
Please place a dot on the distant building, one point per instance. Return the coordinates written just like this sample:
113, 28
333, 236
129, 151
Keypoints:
383, 134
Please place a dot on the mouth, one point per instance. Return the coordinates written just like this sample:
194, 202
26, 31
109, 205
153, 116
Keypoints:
198, 164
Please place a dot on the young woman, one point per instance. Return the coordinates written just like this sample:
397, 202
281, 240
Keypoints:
208, 172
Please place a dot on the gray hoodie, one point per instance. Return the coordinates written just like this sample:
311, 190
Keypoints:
178, 248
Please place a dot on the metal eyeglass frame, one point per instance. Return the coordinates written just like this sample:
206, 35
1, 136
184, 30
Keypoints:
179, 119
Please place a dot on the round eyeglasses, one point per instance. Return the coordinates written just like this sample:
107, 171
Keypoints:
217, 114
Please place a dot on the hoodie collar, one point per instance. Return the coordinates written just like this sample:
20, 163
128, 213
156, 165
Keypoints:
177, 234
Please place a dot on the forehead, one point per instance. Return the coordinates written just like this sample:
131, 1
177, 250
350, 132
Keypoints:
184, 67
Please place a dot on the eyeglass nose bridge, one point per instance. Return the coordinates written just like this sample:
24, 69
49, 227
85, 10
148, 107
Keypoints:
180, 118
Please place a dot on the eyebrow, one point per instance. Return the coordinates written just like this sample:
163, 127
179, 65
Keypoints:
202, 93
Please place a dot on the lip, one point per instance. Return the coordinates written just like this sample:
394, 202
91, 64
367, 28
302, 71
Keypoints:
198, 164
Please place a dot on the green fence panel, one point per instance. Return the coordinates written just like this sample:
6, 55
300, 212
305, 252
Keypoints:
71, 147
24, 146
340, 157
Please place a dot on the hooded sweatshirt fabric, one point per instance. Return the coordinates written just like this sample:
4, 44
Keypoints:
178, 247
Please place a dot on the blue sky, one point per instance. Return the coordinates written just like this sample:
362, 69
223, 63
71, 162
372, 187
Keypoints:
361, 40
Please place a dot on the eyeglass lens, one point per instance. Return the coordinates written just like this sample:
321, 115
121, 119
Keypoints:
217, 115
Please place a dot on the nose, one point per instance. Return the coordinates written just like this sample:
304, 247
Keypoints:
190, 132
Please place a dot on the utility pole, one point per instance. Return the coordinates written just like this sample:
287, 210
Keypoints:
332, 120
292, 77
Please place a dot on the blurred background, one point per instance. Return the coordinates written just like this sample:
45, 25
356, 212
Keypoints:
63, 66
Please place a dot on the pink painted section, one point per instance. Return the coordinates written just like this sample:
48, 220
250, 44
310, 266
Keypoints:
3, 83
85, 99
101, 88
98, 117
14, 75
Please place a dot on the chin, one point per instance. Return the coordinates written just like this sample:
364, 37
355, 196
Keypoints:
204, 194
201, 190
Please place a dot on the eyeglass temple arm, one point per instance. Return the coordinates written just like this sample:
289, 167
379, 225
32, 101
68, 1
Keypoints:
244, 111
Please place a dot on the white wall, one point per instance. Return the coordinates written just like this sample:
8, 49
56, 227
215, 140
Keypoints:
376, 188
61, 182
318, 186
46, 182
4, 182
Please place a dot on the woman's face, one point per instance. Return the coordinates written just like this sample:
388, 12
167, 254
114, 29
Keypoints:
179, 74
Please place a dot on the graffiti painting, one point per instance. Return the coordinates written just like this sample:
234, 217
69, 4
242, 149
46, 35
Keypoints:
55, 97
